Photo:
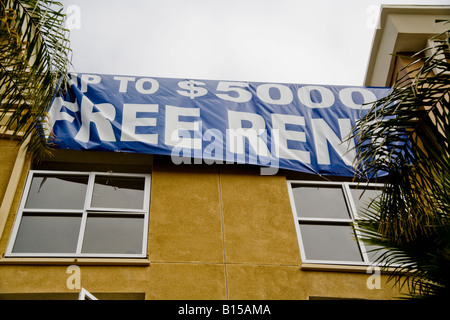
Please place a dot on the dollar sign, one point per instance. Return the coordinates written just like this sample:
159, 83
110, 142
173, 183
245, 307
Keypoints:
192, 91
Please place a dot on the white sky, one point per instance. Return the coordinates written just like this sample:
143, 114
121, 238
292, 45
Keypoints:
291, 41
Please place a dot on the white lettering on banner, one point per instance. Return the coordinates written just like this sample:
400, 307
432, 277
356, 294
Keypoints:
173, 127
279, 122
89, 79
193, 89
100, 118
242, 94
154, 86
237, 133
177, 131
123, 87
55, 113
324, 134
238, 92
139, 85
130, 121
346, 96
286, 95
327, 97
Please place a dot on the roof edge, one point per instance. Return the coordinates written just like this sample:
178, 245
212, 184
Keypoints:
385, 11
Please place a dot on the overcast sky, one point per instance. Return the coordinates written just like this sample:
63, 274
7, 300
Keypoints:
291, 41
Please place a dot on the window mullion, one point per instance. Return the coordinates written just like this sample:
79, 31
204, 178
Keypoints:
354, 214
87, 201
362, 247
350, 201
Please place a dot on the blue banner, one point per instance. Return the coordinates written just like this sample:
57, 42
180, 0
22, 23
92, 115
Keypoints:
273, 125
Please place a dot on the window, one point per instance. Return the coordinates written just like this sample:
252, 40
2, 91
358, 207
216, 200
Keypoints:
324, 214
82, 214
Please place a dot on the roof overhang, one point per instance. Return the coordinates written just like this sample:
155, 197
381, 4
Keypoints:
401, 29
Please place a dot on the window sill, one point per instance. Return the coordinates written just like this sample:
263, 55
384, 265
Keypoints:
77, 261
341, 268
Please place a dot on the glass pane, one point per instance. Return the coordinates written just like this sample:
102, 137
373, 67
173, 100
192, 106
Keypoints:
363, 197
320, 202
57, 192
329, 242
113, 234
118, 192
374, 252
47, 234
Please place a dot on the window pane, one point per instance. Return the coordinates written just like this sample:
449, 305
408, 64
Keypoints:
47, 234
57, 192
363, 197
320, 202
113, 234
374, 252
329, 242
118, 192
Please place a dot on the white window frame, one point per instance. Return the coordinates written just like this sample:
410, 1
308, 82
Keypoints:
86, 295
348, 198
87, 208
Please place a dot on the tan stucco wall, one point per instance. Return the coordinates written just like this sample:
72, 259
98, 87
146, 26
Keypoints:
8, 154
216, 232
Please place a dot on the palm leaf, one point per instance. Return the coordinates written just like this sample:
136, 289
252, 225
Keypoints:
34, 53
407, 135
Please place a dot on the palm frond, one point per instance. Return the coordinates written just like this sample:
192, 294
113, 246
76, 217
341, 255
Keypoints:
34, 54
407, 135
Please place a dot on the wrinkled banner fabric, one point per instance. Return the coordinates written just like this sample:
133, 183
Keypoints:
290, 126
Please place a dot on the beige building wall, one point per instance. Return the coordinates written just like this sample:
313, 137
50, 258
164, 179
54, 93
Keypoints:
215, 232
8, 154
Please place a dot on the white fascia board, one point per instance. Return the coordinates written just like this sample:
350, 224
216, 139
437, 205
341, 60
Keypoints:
401, 29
